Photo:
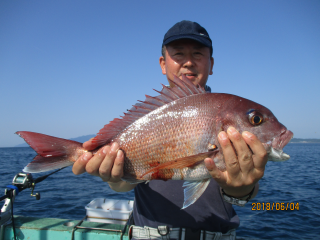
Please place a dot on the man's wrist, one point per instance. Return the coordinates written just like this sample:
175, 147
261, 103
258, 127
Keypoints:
243, 197
240, 201
114, 183
121, 186
238, 193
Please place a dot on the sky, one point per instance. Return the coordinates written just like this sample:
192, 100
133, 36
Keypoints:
67, 68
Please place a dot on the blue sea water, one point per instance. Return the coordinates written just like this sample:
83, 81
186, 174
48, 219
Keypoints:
64, 195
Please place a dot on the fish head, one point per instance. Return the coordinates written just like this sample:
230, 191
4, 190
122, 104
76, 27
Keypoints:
246, 115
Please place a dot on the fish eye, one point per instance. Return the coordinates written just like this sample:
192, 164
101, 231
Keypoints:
255, 118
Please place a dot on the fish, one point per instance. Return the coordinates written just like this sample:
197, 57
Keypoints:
167, 137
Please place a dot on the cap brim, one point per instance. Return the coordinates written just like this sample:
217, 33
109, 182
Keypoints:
202, 40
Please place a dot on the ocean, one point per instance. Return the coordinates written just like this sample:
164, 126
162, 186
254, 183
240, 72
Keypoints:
286, 207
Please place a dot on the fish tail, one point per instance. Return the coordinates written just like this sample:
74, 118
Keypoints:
53, 152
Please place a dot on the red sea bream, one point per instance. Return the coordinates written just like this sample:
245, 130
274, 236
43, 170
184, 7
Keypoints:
169, 136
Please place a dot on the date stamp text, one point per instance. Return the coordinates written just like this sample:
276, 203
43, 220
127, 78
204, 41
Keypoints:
277, 206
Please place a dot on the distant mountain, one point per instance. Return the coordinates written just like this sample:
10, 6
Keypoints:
78, 139
305, 140
82, 139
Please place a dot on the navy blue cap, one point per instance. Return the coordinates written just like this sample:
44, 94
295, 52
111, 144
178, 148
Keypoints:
190, 30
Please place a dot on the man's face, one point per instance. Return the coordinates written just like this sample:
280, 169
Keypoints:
187, 57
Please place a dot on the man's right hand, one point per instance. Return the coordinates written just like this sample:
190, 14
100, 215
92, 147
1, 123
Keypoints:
107, 164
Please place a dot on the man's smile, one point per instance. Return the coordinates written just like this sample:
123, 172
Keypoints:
191, 76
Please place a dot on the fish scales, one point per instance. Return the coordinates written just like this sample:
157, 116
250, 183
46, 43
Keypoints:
176, 130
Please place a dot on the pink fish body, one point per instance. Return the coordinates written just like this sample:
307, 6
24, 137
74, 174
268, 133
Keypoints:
169, 136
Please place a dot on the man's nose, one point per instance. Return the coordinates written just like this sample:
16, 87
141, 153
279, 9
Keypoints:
188, 62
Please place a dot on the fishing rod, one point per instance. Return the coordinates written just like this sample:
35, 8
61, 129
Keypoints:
20, 182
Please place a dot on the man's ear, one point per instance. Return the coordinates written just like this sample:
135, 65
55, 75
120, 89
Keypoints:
162, 63
211, 67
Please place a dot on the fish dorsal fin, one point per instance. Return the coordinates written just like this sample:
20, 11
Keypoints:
182, 88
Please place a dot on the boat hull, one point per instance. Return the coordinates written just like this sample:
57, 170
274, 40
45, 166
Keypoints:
54, 228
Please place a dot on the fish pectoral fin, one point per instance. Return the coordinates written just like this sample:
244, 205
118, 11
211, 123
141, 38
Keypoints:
194, 190
182, 162
132, 179
136, 181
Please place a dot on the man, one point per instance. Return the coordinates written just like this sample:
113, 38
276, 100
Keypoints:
187, 49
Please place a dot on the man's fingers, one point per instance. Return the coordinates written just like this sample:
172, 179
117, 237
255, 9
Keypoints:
243, 152
117, 169
93, 165
214, 171
260, 156
232, 163
108, 162
79, 166
88, 145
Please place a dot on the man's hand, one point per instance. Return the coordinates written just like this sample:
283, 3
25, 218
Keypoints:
245, 167
107, 164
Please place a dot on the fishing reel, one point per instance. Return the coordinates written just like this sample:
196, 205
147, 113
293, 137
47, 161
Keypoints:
20, 182
25, 180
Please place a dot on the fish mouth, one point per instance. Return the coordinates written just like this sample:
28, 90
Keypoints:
274, 148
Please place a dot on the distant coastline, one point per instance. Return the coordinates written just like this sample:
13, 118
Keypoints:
87, 137
305, 140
